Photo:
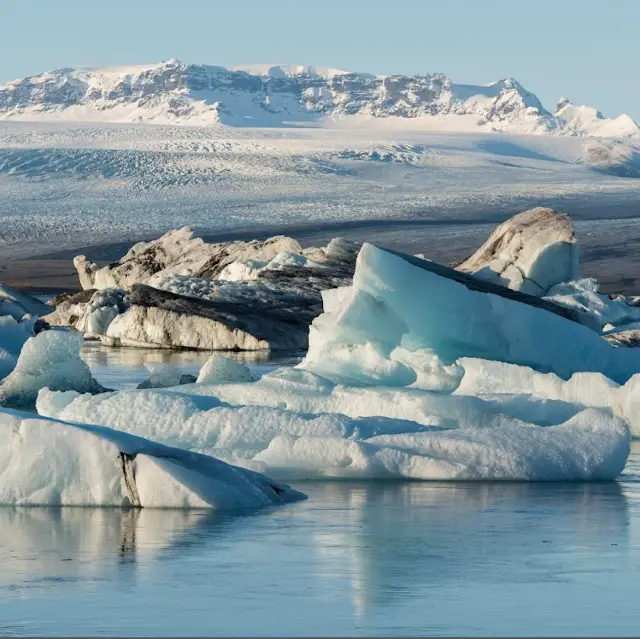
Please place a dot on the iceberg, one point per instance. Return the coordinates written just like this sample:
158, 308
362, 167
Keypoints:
584, 296
161, 319
164, 375
17, 304
478, 442
401, 301
13, 334
530, 252
52, 360
53, 463
177, 252
218, 369
184, 293
90, 312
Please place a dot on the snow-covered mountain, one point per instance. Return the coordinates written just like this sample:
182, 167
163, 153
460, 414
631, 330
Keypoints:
174, 92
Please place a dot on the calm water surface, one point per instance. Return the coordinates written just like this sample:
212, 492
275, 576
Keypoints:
378, 558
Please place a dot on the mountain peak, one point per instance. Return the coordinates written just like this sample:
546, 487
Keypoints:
176, 92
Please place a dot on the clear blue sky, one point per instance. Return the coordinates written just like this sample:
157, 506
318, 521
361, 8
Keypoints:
584, 49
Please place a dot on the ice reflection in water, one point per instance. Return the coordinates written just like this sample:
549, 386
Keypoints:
356, 558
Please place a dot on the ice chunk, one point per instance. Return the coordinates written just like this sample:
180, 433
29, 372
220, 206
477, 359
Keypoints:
17, 304
47, 462
584, 296
52, 360
14, 333
400, 301
590, 446
218, 369
164, 376
496, 381
530, 252
458, 438
177, 252
90, 312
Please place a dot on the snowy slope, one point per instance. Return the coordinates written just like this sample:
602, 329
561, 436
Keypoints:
174, 92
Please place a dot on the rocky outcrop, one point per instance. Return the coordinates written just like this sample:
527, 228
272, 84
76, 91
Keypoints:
530, 252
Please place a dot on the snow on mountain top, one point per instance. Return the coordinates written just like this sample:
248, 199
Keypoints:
264, 95
284, 70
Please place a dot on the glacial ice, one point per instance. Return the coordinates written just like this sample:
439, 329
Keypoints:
13, 334
590, 444
530, 252
177, 252
400, 301
208, 297
49, 462
218, 369
17, 304
165, 375
584, 296
52, 360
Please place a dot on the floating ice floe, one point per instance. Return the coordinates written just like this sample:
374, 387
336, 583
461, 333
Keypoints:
17, 304
589, 445
52, 463
51, 360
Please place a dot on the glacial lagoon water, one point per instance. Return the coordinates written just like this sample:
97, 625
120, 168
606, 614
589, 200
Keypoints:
356, 558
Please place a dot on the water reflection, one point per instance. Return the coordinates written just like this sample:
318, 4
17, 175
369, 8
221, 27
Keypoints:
378, 558
122, 368
398, 539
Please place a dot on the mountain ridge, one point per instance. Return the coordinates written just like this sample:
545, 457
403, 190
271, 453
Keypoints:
175, 92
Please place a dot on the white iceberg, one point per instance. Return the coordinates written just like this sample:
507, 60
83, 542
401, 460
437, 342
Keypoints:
218, 369
486, 444
52, 360
52, 463
17, 304
584, 296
